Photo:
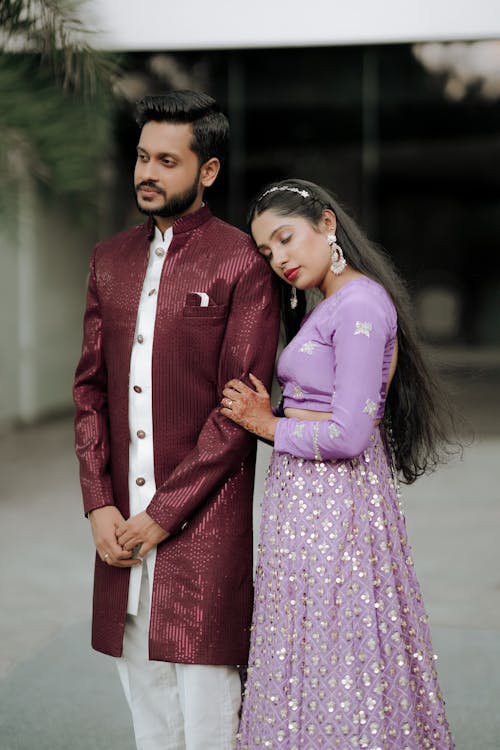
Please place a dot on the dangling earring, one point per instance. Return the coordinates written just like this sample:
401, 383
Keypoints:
293, 298
338, 261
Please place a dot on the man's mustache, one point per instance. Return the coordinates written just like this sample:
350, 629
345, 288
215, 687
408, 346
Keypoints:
149, 184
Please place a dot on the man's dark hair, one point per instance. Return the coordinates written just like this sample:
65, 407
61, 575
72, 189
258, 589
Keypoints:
210, 125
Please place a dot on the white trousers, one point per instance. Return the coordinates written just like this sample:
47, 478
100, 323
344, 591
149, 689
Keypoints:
176, 706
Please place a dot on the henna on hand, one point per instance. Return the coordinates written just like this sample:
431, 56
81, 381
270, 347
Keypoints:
249, 408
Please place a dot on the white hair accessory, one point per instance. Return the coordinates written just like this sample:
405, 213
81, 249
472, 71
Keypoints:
290, 189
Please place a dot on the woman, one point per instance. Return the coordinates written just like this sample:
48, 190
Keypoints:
340, 653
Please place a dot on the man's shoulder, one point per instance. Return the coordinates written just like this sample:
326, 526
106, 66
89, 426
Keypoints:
136, 233
228, 233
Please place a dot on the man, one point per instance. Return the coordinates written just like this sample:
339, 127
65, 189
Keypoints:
175, 308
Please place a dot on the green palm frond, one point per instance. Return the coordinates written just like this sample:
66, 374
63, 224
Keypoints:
57, 96
53, 30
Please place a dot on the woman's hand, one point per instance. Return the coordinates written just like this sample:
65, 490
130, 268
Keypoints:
249, 408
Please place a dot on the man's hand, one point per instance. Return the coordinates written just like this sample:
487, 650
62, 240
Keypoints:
142, 532
104, 523
250, 408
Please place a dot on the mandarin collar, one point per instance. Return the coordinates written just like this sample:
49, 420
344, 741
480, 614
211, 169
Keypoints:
186, 223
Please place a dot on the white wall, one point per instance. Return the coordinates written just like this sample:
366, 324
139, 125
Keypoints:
218, 24
9, 346
63, 252
43, 267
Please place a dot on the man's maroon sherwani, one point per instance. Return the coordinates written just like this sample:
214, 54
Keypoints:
202, 590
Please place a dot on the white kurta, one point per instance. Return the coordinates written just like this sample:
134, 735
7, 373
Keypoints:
141, 476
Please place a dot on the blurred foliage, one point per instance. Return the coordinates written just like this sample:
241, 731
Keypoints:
57, 96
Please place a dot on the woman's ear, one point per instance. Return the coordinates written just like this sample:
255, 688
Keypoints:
209, 172
328, 221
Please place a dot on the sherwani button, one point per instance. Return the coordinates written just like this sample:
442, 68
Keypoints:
140, 481
141, 434
137, 389
160, 251
140, 338
151, 292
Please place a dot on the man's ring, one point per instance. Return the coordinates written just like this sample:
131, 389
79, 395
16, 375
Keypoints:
106, 556
229, 402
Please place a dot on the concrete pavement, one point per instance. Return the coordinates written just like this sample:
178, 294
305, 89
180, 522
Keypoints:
56, 694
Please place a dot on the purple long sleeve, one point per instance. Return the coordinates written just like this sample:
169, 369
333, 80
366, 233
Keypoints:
339, 363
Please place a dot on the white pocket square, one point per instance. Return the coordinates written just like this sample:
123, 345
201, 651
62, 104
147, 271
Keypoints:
203, 298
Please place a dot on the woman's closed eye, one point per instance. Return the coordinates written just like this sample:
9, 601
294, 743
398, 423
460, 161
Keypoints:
266, 253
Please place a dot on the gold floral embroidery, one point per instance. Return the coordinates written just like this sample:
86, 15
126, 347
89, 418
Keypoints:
317, 452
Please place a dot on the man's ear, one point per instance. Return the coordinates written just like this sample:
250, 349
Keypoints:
209, 172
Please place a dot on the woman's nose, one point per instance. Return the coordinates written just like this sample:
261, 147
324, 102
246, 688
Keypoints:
280, 257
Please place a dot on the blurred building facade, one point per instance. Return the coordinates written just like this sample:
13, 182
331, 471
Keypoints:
43, 268
401, 119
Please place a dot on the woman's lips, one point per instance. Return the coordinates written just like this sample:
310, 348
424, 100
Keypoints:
292, 274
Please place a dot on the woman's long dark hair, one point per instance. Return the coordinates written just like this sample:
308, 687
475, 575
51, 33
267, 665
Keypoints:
418, 417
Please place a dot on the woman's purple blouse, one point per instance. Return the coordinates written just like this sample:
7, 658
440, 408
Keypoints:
338, 362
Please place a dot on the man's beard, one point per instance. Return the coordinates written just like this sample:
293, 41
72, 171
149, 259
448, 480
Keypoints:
175, 206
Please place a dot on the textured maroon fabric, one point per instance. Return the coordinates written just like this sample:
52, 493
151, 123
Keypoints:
202, 591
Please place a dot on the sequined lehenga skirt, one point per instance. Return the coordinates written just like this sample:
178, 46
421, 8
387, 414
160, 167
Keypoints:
340, 655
